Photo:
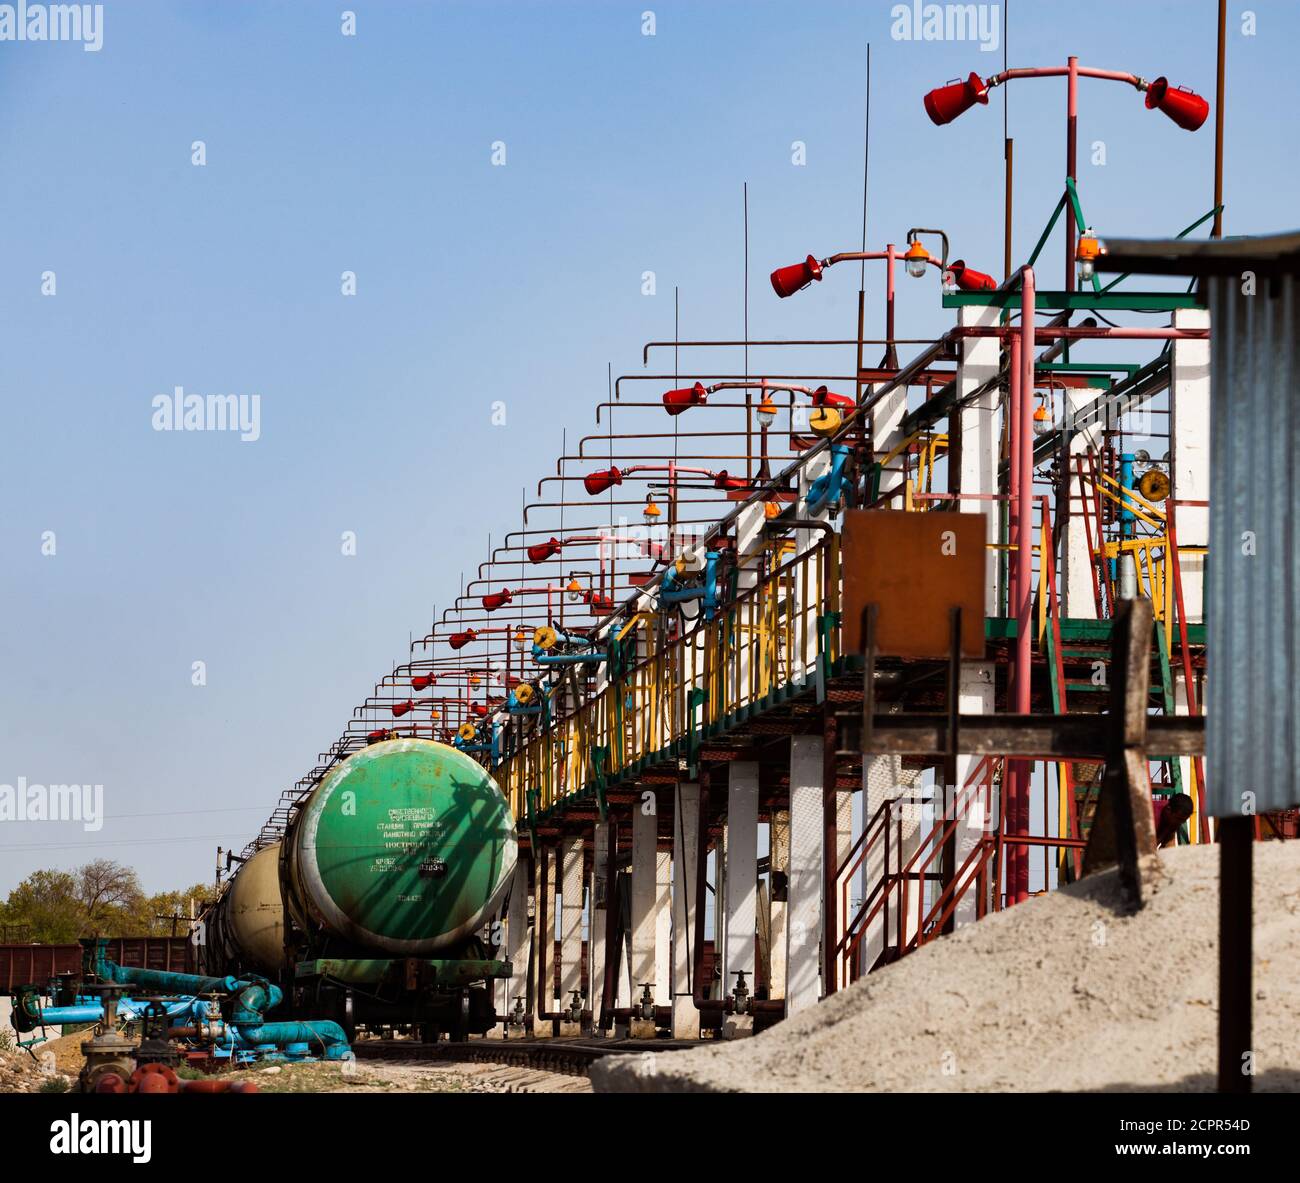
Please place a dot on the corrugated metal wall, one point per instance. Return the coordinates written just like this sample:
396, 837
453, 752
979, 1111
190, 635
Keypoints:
1253, 567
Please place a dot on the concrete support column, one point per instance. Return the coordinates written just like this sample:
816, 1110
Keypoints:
686, 840
886, 419
742, 873
893, 822
1189, 451
645, 828
570, 929
517, 943
974, 806
544, 944
1078, 568
980, 435
804, 917
779, 862
600, 896
663, 971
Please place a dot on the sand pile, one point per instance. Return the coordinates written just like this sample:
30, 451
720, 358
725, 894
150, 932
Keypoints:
1061, 993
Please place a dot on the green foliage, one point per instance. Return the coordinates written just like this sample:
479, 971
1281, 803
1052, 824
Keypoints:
56, 1084
101, 898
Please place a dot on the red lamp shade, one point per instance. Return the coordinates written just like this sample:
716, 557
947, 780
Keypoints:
788, 280
422, 682
539, 552
724, 480
478, 710
602, 479
676, 401
827, 398
970, 280
1184, 107
945, 103
402, 708
494, 600
460, 640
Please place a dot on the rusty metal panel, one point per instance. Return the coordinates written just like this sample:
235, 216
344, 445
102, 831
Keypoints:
915, 567
1253, 565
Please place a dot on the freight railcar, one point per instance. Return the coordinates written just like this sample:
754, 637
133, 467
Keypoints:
372, 910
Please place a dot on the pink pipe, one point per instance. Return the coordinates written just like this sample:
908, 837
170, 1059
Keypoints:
1062, 71
1071, 152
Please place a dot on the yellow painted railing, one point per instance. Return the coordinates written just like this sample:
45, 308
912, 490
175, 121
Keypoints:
773, 634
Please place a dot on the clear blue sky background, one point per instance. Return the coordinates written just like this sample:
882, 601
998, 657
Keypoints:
626, 153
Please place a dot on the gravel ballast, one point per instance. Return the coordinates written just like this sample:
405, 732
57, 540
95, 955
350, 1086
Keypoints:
1059, 993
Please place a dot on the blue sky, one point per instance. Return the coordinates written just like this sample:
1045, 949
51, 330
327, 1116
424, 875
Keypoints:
325, 153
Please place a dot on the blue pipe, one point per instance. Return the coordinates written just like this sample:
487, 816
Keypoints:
673, 591
827, 488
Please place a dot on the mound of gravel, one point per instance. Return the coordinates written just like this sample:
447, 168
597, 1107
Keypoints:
1060, 993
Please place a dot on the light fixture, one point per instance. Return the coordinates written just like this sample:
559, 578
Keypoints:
917, 258
521, 640
602, 479
821, 397
1042, 418
494, 600
788, 280
435, 714
539, 552
574, 589
1185, 107
1085, 254
676, 401
771, 510
766, 413
475, 679
945, 103
651, 513
970, 280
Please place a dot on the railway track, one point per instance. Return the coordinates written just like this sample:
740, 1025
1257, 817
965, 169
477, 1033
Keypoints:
569, 1056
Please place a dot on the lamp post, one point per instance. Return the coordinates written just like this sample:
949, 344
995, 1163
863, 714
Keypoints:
794, 278
1186, 108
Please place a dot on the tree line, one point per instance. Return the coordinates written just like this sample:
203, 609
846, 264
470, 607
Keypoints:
101, 898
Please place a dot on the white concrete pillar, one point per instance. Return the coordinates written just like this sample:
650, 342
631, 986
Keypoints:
544, 944
518, 942
741, 873
779, 863
974, 807
804, 917
571, 867
644, 890
1189, 452
663, 972
886, 420
1078, 567
686, 840
894, 824
601, 889
981, 434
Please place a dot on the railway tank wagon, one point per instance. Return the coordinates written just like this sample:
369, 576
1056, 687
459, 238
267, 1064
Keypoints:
386, 878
